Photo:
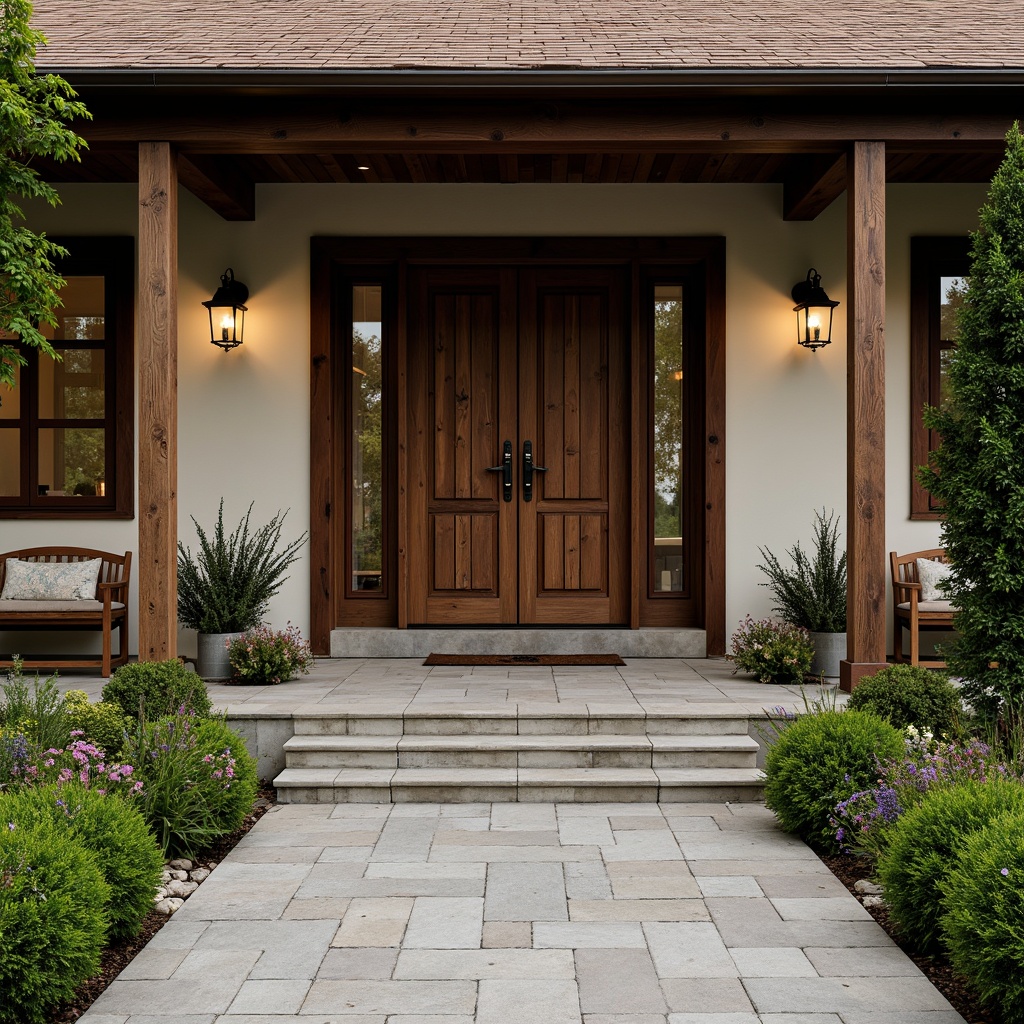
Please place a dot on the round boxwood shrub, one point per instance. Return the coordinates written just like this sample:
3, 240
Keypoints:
103, 723
113, 829
983, 920
199, 781
925, 842
158, 687
52, 919
821, 759
910, 695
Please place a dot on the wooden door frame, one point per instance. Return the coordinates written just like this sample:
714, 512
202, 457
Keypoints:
392, 256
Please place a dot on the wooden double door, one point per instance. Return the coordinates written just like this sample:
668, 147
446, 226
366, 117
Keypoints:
518, 453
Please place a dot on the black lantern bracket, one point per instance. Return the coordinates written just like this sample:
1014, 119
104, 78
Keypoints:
811, 303
229, 302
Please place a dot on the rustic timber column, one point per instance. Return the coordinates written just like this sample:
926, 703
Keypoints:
158, 402
865, 412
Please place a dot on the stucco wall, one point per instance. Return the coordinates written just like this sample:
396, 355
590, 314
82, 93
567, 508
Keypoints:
243, 415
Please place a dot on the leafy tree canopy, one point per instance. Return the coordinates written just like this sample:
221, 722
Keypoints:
978, 470
34, 114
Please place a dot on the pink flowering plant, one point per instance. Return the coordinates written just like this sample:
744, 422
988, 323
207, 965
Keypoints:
83, 763
199, 781
775, 652
263, 656
863, 821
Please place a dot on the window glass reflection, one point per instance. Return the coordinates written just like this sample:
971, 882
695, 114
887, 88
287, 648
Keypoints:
668, 494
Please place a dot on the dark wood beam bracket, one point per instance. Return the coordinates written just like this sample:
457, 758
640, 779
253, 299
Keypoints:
813, 189
219, 184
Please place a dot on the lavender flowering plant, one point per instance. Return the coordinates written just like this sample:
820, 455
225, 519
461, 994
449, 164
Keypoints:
862, 822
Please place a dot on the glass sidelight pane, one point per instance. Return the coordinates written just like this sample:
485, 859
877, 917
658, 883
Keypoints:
668, 496
73, 388
366, 428
72, 461
10, 463
952, 291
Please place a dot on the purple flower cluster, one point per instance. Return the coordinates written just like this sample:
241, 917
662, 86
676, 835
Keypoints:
84, 763
862, 819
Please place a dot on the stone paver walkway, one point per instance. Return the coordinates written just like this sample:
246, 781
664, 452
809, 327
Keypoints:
521, 914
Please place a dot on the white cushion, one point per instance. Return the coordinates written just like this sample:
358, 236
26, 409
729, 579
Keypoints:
56, 606
929, 575
51, 581
929, 606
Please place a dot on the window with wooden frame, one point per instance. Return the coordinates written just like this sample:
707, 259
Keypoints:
67, 438
938, 280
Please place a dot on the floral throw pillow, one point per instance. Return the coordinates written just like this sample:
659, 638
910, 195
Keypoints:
51, 581
929, 575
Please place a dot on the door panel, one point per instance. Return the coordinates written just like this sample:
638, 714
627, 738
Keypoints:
462, 406
574, 534
477, 337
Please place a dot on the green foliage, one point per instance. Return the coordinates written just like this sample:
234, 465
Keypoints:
102, 723
924, 843
111, 828
38, 713
227, 586
264, 656
820, 760
812, 594
978, 471
983, 923
34, 113
910, 695
199, 780
52, 922
157, 688
775, 652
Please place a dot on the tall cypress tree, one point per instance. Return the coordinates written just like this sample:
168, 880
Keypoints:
978, 470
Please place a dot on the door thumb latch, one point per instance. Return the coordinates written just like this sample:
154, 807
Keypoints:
506, 470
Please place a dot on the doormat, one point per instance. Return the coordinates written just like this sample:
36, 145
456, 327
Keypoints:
523, 659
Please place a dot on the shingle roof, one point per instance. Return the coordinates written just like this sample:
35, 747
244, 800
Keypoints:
338, 35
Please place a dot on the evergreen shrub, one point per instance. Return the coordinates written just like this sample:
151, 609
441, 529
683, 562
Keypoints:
52, 919
908, 695
820, 760
157, 687
102, 723
983, 923
112, 828
924, 844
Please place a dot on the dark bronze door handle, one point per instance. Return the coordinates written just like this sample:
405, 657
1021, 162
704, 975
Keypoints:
529, 468
506, 470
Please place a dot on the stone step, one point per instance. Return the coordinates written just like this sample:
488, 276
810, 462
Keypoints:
489, 785
714, 720
521, 751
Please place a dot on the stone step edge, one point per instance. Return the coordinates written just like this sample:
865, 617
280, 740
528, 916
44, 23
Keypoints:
718, 712
699, 743
376, 778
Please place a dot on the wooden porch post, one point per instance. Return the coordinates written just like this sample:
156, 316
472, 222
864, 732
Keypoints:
158, 401
865, 412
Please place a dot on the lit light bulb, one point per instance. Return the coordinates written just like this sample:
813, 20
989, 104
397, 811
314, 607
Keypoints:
225, 328
814, 328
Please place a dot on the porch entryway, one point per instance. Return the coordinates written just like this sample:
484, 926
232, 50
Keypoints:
523, 433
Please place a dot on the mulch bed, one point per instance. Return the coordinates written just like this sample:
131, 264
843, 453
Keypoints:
117, 956
848, 869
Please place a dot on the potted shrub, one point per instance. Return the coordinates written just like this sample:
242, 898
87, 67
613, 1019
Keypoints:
812, 593
225, 588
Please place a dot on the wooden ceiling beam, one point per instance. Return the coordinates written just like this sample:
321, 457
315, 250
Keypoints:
812, 187
565, 127
219, 184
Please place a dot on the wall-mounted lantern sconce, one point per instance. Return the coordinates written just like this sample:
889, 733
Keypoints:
811, 303
229, 303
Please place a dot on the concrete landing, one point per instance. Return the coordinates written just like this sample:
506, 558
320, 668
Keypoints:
418, 643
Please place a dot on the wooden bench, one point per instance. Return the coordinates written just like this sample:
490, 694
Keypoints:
109, 611
910, 612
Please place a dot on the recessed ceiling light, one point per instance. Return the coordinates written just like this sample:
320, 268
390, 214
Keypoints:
363, 167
